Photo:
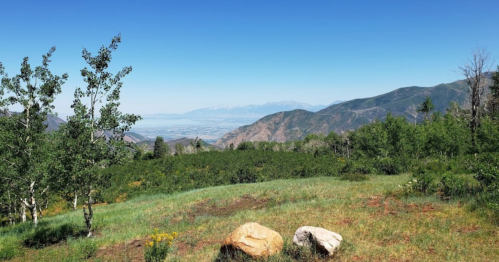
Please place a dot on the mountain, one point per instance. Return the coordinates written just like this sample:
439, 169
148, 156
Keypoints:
349, 115
53, 123
130, 137
252, 110
211, 123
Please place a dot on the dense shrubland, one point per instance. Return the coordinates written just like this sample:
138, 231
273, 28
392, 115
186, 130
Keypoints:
437, 151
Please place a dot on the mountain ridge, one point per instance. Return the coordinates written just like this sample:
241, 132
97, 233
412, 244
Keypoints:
348, 115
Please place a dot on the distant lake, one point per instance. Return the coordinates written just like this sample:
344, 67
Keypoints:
148, 122
176, 121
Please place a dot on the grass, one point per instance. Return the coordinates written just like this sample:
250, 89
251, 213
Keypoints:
375, 225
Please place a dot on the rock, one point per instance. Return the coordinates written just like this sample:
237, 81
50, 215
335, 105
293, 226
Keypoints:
253, 239
324, 241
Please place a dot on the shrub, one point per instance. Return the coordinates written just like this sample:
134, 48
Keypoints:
388, 166
487, 174
354, 177
452, 185
48, 234
424, 182
158, 245
357, 167
244, 175
246, 145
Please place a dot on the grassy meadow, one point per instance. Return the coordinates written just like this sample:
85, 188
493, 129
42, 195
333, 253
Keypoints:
376, 225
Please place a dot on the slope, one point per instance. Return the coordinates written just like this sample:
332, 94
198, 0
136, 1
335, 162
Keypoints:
293, 125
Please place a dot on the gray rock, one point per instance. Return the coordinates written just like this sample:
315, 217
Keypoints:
324, 241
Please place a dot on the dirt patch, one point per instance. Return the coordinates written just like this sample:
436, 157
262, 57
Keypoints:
358, 258
467, 230
345, 222
374, 201
129, 251
422, 208
392, 206
222, 209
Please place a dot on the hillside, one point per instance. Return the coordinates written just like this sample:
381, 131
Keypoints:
375, 227
349, 115
53, 123
171, 143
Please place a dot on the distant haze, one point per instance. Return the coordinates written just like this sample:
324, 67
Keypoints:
213, 122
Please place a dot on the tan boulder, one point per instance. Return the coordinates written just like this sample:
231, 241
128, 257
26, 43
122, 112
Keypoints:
253, 239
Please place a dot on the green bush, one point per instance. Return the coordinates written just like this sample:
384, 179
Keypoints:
358, 167
487, 174
388, 166
354, 177
452, 185
46, 234
244, 175
246, 145
424, 181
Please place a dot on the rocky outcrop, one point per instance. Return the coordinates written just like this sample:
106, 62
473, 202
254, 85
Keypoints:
324, 241
253, 239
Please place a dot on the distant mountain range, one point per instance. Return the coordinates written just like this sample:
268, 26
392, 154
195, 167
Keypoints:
251, 111
228, 113
349, 115
211, 123
53, 123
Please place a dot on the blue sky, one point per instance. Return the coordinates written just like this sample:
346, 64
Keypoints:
192, 54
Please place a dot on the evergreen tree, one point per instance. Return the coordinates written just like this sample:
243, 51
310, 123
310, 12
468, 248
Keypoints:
160, 148
426, 107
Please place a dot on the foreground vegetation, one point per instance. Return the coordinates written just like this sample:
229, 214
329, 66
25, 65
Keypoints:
375, 223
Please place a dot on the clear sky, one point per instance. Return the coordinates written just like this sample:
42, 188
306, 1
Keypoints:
192, 54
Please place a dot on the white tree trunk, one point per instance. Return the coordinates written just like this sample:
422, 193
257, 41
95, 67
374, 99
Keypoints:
75, 202
22, 212
88, 216
32, 204
33, 211
11, 219
9, 207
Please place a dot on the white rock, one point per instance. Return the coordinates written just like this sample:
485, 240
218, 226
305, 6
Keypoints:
325, 241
